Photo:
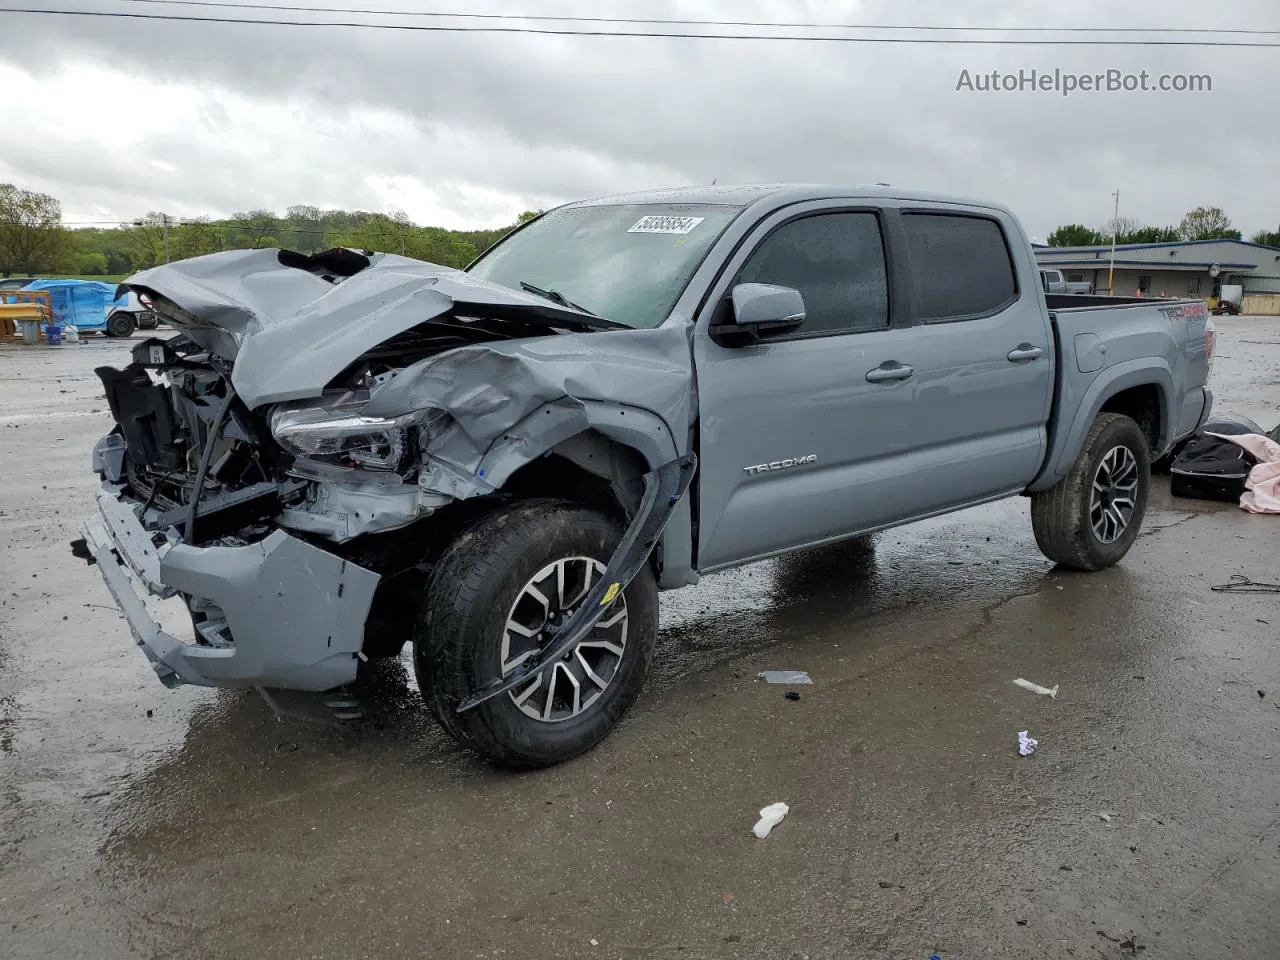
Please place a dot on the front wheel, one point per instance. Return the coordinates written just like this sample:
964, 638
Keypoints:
1090, 518
492, 596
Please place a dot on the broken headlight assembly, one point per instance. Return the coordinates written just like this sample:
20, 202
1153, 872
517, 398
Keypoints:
340, 433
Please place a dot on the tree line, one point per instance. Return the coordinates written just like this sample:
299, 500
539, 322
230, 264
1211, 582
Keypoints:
1202, 223
34, 241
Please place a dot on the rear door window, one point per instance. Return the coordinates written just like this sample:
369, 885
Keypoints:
960, 266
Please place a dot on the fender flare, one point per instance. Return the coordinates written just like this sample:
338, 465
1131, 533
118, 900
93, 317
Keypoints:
636, 428
1065, 447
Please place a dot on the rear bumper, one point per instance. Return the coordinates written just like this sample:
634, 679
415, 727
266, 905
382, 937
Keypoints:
1176, 443
1208, 408
278, 613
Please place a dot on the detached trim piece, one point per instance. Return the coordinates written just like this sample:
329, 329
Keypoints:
162, 649
130, 540
664, 487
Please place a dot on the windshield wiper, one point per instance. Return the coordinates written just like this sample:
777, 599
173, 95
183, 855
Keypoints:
555, 296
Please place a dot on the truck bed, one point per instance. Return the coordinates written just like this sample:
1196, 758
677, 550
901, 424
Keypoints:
1109, 346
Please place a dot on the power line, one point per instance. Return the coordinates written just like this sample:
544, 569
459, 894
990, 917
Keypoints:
658, 21
553, 31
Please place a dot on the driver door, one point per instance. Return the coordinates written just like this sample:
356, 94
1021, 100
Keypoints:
798, 433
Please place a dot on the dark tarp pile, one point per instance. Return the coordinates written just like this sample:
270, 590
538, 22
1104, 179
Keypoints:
1231, 459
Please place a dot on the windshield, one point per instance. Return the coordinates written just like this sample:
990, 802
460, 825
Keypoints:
627, 262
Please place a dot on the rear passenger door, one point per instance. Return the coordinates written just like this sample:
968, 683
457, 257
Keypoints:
983, 358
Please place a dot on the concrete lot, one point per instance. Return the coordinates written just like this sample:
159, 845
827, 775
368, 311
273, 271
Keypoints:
141, 822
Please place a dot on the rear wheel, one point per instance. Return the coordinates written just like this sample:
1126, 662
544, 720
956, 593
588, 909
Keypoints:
1091, 517
492, 597
120, 325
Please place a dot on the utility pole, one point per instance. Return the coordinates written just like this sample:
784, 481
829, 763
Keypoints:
1111, 270
164, 221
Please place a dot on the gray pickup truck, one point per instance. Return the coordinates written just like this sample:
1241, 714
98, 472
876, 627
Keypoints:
1054, 282
342, 453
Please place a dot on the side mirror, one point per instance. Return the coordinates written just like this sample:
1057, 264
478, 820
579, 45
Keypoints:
760, 311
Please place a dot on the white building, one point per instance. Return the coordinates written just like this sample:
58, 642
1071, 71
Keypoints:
1182, 269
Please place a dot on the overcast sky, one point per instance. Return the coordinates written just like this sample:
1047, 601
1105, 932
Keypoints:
118, 117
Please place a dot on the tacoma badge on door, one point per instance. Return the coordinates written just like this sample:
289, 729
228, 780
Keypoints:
782, 464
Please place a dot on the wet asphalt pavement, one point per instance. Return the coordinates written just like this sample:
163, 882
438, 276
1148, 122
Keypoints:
137, 821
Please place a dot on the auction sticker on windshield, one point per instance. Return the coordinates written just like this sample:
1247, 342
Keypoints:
665, 224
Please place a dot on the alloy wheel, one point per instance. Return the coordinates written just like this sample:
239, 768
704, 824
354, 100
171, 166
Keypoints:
1115, 494
580, 677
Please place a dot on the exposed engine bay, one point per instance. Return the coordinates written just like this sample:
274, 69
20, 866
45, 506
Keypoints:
181, 441
201, 461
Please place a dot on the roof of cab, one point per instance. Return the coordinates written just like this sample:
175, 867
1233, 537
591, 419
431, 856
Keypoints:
777, 194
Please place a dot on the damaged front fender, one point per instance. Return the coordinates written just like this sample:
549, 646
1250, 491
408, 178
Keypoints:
507, 403
486, 411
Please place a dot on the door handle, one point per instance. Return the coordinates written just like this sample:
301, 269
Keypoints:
889, 372
1024, 352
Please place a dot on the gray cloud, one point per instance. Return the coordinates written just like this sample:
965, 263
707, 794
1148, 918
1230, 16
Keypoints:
469, 129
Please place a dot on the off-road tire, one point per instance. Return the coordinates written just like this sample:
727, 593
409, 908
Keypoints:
1060, 515
120, 325
457, 643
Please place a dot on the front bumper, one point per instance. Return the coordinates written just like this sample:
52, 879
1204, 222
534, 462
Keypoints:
279, 613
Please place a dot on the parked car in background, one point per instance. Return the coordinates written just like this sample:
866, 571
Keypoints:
133, 311
1054, 282
341, 454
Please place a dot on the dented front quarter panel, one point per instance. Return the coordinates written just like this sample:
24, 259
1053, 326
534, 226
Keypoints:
510, 403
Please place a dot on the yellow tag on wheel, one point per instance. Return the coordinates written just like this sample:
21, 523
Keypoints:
611, 594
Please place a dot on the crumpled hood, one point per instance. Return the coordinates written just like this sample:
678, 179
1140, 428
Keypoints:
290, 331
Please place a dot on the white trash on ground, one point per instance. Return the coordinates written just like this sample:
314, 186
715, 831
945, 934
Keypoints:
770, 817
1036, 688
784, 676
1026, 745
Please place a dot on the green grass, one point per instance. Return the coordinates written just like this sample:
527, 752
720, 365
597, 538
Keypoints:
107, 278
